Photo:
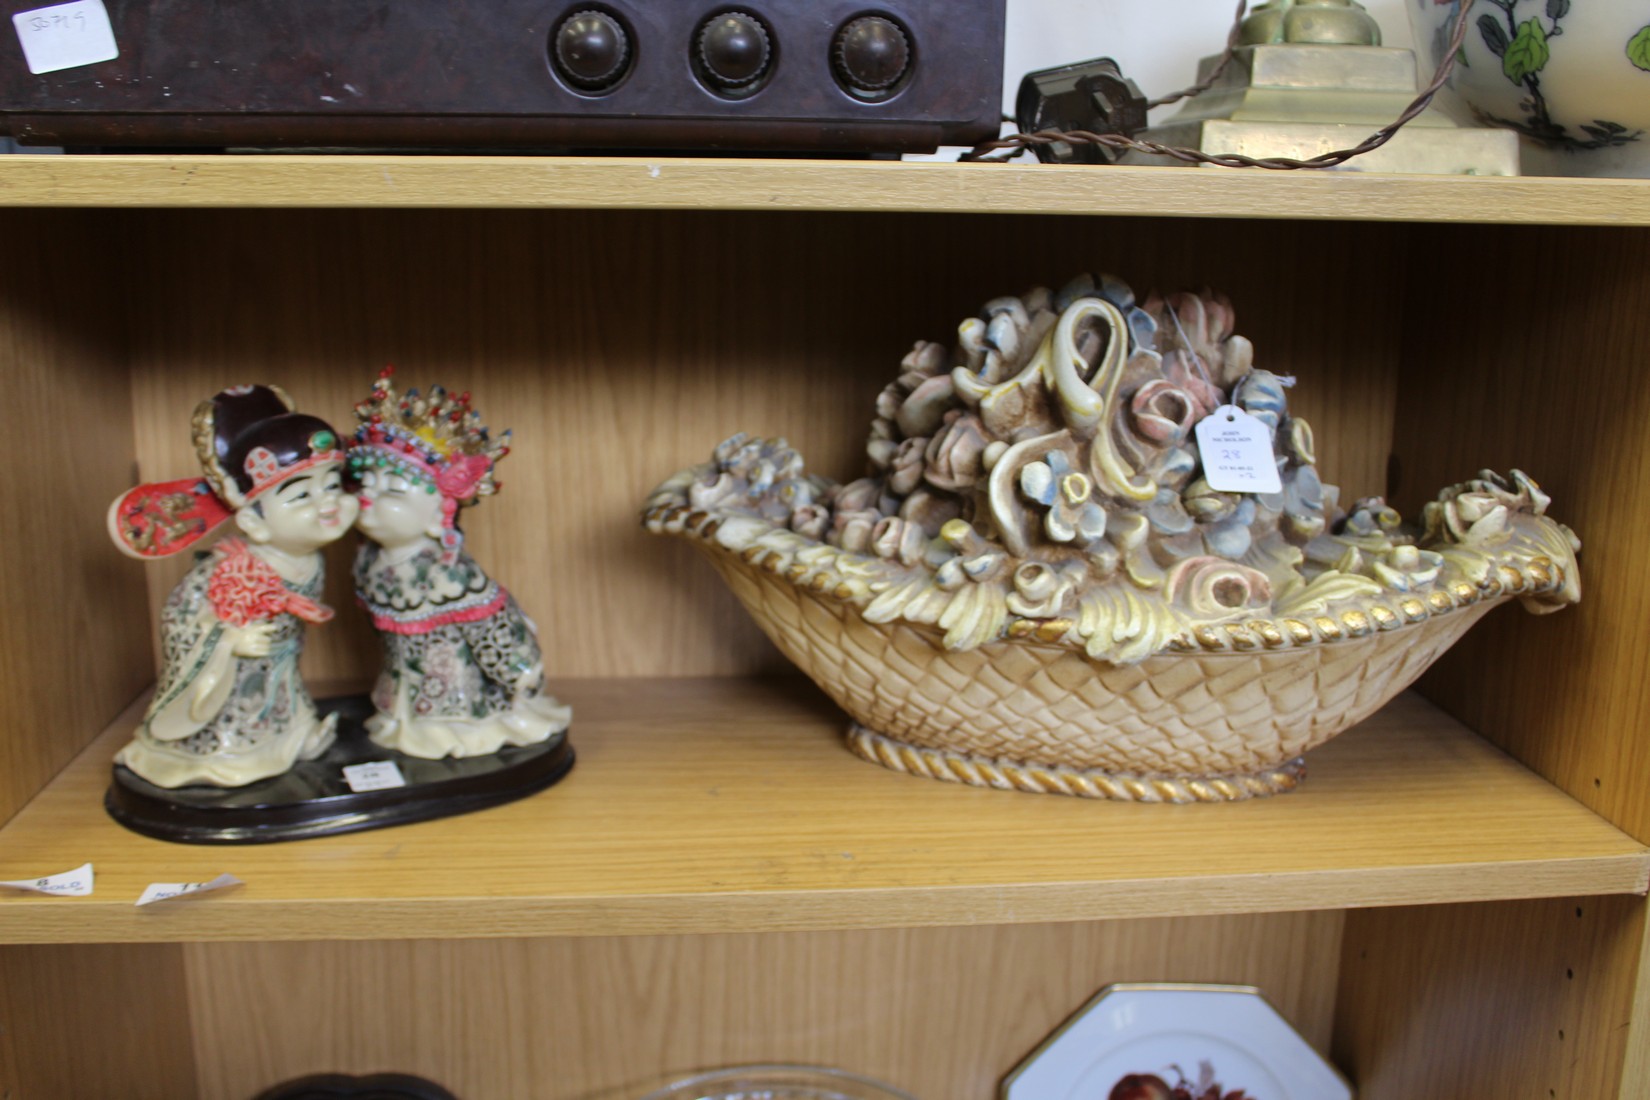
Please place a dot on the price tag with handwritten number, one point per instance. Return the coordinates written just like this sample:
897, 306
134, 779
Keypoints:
66, 36
70, 884
165, 891
1236, 449
376, 775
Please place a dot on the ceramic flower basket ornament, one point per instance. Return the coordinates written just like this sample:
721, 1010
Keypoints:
1047, 581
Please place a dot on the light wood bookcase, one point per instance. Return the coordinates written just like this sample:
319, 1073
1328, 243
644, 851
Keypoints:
1452, 906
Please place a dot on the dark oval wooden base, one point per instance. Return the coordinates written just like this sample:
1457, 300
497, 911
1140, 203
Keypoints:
313, 798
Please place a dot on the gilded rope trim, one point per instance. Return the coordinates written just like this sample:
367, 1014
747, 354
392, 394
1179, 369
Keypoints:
1008, 775
823, 574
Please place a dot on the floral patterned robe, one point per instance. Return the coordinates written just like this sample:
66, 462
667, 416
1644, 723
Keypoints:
463, 675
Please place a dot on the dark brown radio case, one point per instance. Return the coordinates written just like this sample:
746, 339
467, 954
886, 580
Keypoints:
480, 74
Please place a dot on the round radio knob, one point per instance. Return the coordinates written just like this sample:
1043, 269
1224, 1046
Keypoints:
734, 50
871, 54
591, 50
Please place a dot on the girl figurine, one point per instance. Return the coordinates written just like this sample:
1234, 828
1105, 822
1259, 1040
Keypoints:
462, 674
229, 708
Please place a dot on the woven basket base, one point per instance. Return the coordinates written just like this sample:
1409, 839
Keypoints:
1010, 775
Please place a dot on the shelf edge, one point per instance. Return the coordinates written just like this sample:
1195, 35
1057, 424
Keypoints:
231, 918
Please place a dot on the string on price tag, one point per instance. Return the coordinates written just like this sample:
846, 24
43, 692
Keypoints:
165, 891
70, 884
65, 36
1236, 450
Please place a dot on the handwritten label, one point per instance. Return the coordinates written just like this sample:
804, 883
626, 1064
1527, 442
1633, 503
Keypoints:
70, 884
66, 36
378, 775
1237, 452
164, 891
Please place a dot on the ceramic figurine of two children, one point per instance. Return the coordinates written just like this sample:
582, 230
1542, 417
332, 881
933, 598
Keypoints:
462, 673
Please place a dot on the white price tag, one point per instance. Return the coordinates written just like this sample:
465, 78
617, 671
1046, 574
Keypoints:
1236, 450
161, 891
377, 775
70, 884
66, 36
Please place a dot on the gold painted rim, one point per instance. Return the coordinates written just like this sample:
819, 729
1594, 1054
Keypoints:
820, 577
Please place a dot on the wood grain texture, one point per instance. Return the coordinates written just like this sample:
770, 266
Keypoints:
1519, 999
1550, 384
95, 1022
942, 1012
686, 183
1635, 1069
731, 805
73, 650
1536, 367
622, 347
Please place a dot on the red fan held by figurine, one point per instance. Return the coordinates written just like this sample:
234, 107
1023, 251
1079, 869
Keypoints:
154, 521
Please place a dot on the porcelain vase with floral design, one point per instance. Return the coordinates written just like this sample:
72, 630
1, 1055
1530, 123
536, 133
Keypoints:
1572, 76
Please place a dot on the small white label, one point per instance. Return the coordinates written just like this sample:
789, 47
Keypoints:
161, 891
66, 36
1237, 452
378, 775
70, 884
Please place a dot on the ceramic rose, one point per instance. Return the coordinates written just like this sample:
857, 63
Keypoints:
230, 708
1042, 584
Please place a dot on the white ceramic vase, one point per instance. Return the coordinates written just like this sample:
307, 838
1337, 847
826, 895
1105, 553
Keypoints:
1572, 76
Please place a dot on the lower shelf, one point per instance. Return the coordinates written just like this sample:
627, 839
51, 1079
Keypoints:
731, 805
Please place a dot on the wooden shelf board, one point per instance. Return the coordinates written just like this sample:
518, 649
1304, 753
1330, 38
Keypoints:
724, 805
366, 180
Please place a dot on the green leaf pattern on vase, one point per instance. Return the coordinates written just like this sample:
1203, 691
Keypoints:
1638, 49
1520, 34
1528, 53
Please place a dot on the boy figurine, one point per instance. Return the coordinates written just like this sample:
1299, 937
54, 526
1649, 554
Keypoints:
230, 708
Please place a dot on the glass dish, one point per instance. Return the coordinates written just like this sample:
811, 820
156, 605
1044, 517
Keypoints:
777, 1083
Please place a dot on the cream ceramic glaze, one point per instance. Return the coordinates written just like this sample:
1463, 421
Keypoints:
397, 512
304, 513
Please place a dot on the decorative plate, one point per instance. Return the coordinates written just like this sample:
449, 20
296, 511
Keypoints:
1210, 1040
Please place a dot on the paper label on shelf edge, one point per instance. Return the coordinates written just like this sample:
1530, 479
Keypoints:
1236, 449
70, 884
375, 775
163, 891
65, 36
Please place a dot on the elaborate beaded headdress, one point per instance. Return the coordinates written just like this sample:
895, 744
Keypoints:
434, 439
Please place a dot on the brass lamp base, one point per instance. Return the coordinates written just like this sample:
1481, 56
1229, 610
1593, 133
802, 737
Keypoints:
1299, 101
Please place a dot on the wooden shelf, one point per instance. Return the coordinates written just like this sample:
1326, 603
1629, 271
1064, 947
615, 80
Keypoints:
730, 805
745, 184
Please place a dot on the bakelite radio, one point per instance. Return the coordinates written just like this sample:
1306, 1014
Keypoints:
800, 75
